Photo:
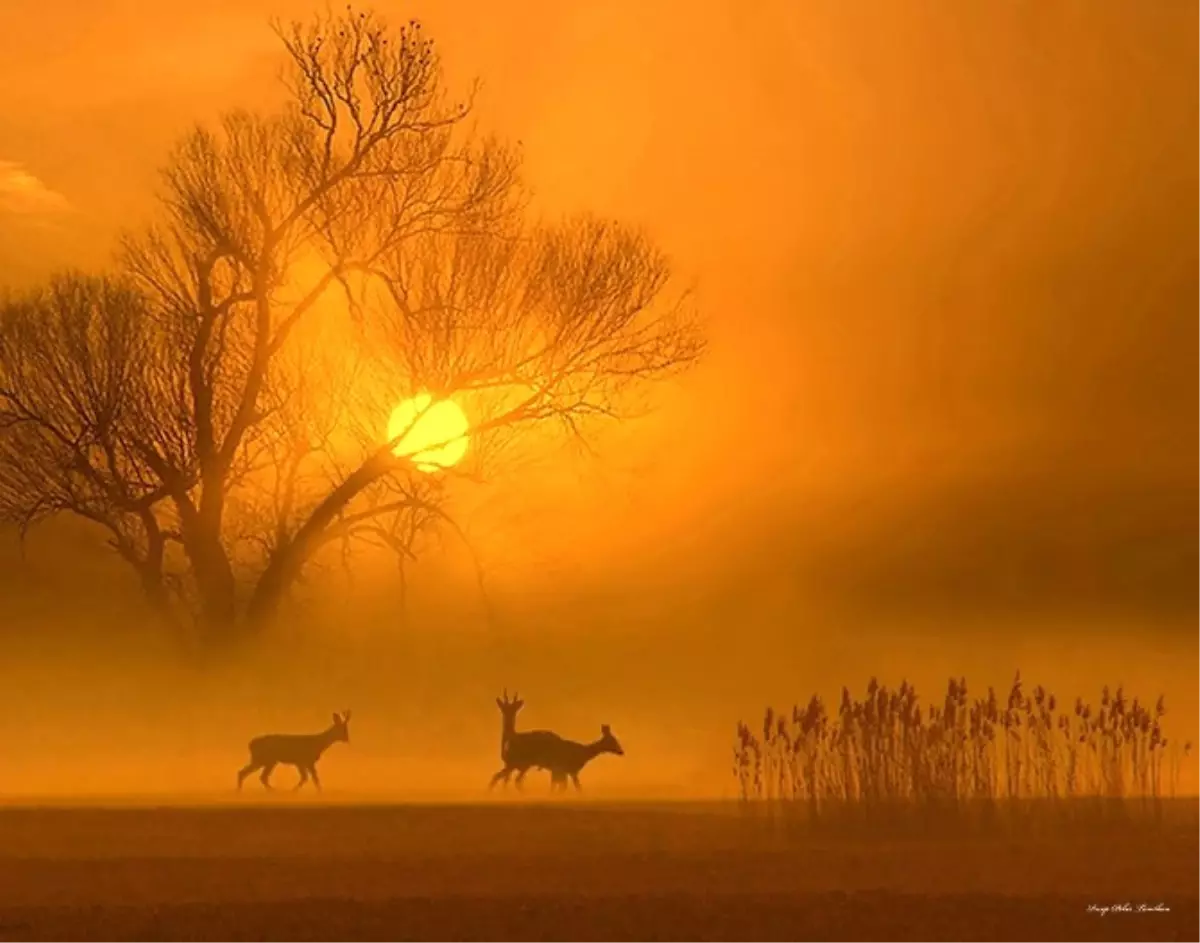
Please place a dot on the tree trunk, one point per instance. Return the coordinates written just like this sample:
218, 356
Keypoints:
289, 559
214, 577
210, 564
150, 570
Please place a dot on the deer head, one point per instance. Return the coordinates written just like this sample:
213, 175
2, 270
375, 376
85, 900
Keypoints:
341, 727
509, 707
608, 743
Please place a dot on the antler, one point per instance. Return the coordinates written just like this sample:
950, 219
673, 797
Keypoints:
346, 716
506, 701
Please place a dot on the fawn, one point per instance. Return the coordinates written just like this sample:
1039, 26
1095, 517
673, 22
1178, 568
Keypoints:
301, 750
521, 751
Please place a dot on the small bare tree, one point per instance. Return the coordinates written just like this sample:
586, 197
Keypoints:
218, 404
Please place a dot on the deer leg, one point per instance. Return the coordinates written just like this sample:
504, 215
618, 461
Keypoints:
246, 771
266, 775
521, 778
575, 780
312, 771
503, 774
303, 777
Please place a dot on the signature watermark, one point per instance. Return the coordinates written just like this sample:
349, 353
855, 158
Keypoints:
1128, 907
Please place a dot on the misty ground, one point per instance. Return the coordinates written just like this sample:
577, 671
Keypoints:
283, 869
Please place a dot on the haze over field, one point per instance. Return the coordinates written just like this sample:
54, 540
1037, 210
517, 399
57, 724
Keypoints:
945, 424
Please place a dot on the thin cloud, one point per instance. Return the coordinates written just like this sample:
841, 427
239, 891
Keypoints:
23, 194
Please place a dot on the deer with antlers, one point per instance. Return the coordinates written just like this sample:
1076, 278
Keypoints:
543, 749
301, 750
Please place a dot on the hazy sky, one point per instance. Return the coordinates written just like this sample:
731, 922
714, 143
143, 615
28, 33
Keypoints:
948, 253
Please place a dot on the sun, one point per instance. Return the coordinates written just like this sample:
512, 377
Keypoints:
436, 436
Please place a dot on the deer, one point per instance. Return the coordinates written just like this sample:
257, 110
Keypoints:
301, 750
543, 749
509, 709
567, 758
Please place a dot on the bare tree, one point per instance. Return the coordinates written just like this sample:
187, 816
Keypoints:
219, 404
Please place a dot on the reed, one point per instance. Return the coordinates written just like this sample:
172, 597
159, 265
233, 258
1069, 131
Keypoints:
886, 747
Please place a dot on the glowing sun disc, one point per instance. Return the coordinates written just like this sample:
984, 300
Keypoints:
434, 434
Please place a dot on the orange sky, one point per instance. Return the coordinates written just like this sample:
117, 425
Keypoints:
948, 254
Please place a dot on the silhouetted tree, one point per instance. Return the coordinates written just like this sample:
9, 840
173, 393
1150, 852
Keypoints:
218, 403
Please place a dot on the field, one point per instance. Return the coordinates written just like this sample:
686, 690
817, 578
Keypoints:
578, 870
